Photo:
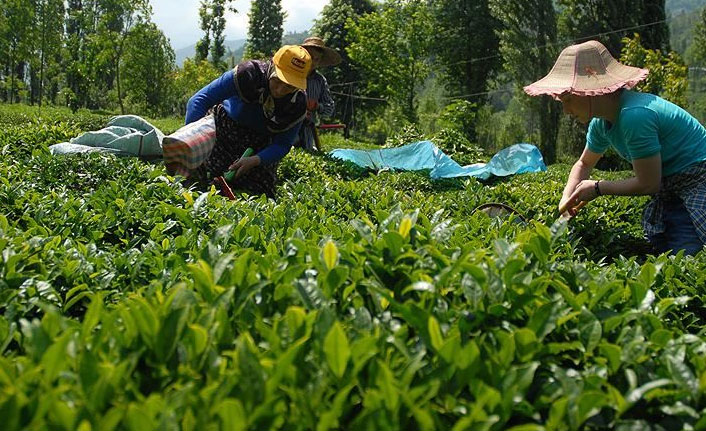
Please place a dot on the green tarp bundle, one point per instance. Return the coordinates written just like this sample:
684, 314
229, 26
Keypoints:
125, 135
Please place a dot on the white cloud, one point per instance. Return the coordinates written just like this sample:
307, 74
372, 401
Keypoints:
179, 19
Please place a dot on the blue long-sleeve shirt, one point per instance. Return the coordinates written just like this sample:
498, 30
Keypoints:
223, 90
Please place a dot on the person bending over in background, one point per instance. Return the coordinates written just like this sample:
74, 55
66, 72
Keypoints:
664, 143
259, 104
319, 101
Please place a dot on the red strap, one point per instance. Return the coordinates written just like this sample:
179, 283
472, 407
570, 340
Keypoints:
332, 126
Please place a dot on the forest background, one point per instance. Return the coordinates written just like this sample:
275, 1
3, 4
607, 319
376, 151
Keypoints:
448, 70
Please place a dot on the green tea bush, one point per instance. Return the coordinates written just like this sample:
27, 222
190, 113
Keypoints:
455, 144
378, 301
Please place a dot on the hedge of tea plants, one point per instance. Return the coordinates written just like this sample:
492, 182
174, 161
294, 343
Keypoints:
354, 301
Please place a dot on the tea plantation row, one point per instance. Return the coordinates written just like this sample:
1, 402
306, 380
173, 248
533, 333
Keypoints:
354, 301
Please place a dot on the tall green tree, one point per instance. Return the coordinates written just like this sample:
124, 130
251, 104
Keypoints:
18, 16
528, 48
697, 53
466, 44
49, 26
218, 49
699, 41
81, 62
265, 29
331, 27
116, 23
203, 45
190, 78
668, 75
392, 46
581, 20
148, 68
361, 7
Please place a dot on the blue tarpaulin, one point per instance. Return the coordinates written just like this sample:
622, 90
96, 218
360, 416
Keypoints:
516, 159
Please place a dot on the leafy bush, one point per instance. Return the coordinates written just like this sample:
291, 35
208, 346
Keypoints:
497, 130
409, 134
459, 115
454, 143
373, 302
668, 75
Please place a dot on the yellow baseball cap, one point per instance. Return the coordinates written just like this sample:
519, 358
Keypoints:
292, 65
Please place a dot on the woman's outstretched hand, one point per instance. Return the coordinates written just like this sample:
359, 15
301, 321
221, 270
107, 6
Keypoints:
244, 164
584, 192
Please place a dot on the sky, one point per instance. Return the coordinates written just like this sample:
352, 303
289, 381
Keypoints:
179, 19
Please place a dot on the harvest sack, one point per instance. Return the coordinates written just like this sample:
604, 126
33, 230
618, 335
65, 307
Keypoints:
187, 148
124, 135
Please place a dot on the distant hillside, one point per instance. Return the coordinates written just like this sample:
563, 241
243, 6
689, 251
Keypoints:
295, 38
683, 17
235, 48
681, 31
188, 52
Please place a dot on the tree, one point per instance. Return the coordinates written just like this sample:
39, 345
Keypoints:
4, 50
528, 48
86, 71
148, 69
116, 23
218, 49
191, 78
699, 42
331, 27
265, 30
697, 52
361, 7
581, 20
50, 25
202, 46
668, 75
18, 37
391, 47
466, 45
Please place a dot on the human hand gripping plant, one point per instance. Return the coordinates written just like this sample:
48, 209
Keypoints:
584, 192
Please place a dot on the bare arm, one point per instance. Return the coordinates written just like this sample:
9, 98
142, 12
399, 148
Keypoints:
579, 173
647, 179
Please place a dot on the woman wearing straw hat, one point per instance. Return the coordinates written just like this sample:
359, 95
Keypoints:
664, 143
319, 101
258, 105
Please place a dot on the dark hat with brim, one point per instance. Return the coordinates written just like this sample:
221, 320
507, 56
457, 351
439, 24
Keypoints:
329, 58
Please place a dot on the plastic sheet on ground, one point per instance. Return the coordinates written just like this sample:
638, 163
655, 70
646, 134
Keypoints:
516, 159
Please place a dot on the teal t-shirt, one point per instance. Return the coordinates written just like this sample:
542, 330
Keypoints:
648, 125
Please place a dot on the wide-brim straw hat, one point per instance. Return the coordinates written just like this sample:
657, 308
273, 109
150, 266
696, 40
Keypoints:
329, 58
586, 69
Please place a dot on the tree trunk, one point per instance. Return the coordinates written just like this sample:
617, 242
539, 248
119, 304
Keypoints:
41, 60
33, 78
548, 129
11, 97
117, 82
118, 55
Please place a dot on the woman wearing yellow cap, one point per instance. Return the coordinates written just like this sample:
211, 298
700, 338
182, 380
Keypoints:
664, 143
259, 105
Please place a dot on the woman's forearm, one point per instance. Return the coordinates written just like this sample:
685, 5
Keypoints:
579, 172
647, 179
628, 187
